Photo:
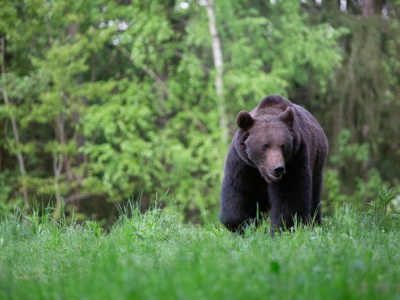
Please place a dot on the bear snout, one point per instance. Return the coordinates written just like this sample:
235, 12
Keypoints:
277, 173
279, 170
274, 174
274, 165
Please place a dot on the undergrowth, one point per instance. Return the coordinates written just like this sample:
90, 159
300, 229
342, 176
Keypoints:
155, 255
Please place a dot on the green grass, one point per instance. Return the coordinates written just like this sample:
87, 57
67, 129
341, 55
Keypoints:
353, 255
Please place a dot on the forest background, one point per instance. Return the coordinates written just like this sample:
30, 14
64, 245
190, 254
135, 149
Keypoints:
105, 101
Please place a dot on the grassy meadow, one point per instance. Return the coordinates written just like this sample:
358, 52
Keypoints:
353, 255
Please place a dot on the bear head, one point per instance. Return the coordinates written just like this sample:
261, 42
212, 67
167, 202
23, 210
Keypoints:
267, 142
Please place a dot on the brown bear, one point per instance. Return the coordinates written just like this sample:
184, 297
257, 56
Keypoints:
274, 164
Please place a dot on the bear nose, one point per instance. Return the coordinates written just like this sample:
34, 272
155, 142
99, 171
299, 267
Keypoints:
279, 170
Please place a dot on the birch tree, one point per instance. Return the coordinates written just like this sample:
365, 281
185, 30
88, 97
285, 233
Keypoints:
219, 69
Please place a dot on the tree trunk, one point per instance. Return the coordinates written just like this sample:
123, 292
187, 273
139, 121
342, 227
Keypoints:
218, 63
62, 160
57, 166
13, 124
58, 161
367, 8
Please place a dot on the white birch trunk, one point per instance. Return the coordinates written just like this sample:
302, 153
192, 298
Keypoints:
219, 68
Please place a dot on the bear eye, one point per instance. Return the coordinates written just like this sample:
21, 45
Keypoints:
266, 146
283, 147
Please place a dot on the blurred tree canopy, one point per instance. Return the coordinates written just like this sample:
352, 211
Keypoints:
106, 100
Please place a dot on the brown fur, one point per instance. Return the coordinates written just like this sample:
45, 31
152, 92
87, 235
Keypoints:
274, 163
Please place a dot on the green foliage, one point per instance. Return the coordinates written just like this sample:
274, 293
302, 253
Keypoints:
381, 207
366, 181
155, 255
9, 189
362, 95
273, 48
114, 99
349, 152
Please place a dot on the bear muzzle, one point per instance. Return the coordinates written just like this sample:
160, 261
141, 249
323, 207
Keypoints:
273, 175
279, 170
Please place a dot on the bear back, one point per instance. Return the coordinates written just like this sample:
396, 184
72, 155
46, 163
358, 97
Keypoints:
271, 105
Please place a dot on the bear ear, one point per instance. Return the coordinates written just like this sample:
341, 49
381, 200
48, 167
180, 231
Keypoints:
287, 117
244, 120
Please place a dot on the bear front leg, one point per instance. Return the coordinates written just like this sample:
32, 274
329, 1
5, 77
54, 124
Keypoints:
236, 210
243, 195
291, 198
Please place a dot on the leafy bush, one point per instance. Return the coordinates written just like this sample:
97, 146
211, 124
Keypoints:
340, 179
